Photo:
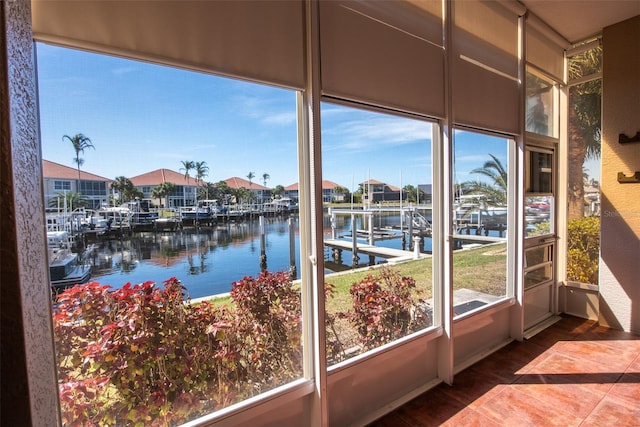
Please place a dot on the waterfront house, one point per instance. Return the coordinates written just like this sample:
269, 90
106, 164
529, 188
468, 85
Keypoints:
377, 191
260, 193
330, 192
477, 66
184, 193
59, 180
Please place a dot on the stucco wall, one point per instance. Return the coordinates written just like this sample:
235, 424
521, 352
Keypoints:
620, 229
27, 339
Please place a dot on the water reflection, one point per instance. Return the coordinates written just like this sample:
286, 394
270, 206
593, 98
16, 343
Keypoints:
208, 260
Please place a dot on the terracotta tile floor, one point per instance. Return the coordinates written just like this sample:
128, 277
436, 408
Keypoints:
575, 373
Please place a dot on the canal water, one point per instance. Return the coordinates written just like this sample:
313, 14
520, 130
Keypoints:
208, 260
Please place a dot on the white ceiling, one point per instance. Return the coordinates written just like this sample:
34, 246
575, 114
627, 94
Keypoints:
577, 20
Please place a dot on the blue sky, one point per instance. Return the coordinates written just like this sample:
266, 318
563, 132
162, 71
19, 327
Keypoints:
141, 117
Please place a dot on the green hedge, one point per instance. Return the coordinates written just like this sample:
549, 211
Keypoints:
583, 249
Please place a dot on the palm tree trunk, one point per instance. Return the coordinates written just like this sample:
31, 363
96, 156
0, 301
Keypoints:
576, 155
78, 184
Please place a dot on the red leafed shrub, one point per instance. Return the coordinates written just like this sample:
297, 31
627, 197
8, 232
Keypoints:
141, 355
268, 328
384, 308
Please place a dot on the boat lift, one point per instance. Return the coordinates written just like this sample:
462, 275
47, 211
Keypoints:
412, 225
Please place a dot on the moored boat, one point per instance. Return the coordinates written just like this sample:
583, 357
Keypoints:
65, 267
66, 270
205, 212
280, 206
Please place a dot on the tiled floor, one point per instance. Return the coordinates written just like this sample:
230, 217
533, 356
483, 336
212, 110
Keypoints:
574, 373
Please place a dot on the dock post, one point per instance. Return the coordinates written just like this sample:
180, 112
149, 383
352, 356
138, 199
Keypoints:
263, 252
354, 242
292, 250
416, 247
410, 227
333, 223
372, 240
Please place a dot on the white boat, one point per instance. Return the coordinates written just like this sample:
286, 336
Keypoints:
65, 268
282, 205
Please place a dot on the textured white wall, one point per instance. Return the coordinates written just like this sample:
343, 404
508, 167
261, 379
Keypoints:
620, 229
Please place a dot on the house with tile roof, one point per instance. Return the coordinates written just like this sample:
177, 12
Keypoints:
184, 194
60, 179
261, 193
379, 191
330, 194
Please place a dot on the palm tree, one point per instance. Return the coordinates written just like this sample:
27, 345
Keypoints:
222, 191
207, 190
342, 192
187, 166
265, 177
242, 195
123, 186
278, 190
202, 171
70, 200
250, 176
79, 142
163, 190
413, 194
495, 191
584, 124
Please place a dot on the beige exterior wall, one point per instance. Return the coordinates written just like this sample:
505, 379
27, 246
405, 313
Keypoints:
620, 241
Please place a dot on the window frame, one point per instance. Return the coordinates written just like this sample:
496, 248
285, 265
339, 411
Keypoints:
435, 330
512, 235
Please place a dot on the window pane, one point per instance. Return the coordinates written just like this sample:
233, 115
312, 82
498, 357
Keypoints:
191, 309
539, 171
538, 275
481, 219
377, 190
541, 105
539, 214
583, 212
538, 265
539, 186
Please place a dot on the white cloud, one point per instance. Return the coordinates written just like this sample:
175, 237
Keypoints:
121, 71
369, 133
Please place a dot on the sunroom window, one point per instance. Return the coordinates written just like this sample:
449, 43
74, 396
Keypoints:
481, 220
182, 315
583, 163
377, 240
542, 105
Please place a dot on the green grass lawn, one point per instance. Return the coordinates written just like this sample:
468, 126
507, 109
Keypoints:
482, 269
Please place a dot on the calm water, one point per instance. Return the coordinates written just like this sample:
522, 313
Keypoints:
207, 261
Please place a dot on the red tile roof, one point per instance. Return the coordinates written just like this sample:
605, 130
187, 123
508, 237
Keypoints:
329, 185
326, 185
376, 182
372, 182
160, 176
236, 182
52, 170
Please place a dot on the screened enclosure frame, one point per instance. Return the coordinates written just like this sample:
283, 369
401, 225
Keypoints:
295, 63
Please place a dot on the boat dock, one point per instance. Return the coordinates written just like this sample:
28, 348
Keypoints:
391, 255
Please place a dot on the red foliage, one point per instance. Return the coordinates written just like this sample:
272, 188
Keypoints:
384, 308
140, 355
